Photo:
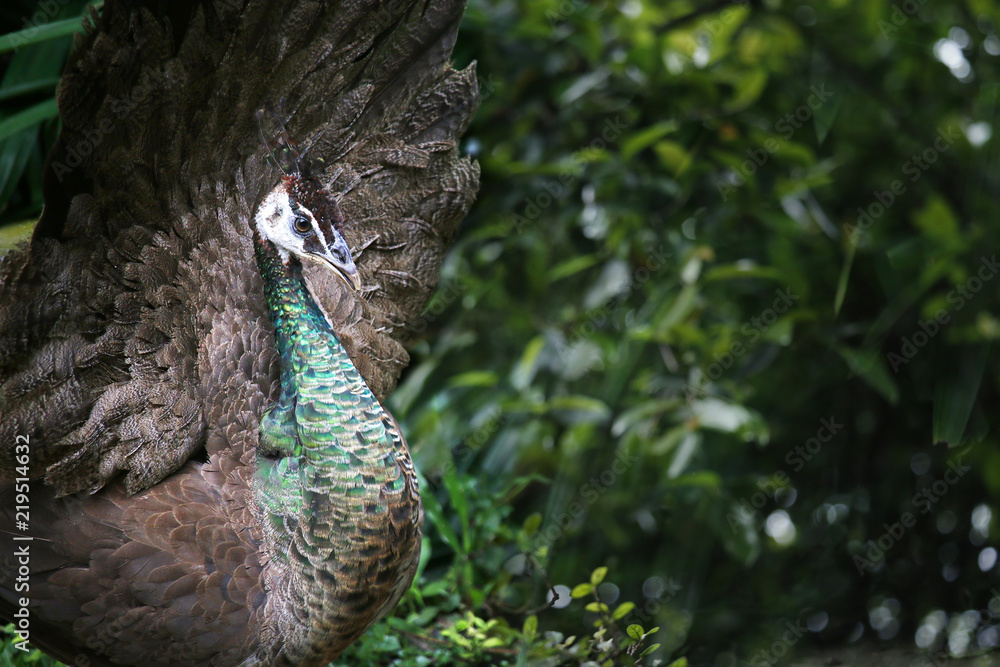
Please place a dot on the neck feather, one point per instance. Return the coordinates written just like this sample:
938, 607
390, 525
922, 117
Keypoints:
340, 506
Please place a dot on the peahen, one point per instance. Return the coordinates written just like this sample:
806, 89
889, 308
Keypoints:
194, 344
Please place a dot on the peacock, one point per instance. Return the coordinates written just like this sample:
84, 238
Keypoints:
195, 344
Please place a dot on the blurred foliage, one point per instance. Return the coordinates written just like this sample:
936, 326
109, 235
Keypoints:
16, 651
728, 280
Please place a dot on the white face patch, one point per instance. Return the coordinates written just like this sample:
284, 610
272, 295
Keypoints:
294, 230
275, 220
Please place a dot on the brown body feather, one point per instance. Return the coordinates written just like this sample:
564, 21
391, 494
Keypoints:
133, 329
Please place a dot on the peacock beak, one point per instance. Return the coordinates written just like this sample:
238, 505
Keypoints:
337, 256
349, 272
344, 268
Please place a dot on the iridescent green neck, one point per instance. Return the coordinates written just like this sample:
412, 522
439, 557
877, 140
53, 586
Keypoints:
326, 415
292, 309
334, 482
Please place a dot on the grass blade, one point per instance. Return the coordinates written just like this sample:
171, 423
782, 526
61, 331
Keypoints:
42, 33
27, 118
956, 385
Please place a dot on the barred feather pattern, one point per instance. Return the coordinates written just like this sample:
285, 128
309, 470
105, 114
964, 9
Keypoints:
334, 484
136, 349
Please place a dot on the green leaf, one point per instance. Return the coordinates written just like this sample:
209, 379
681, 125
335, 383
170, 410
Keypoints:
29, 87
825, 116
870, 365
474, 379
939, 223
432, 510
726, 417
476, 596
584, 408
532, 523
597, 576
583, 85
957, 378
679, 309
15, 152
425, 556
530, 628
674, 156
408, 390
414, 624
524, 372
597, 607
703, 479
742, 271
845, 274
641, 413
514, 487
436, 587
669, 440
623, 609
649, 650
646, 137
736, 530
749, 87
572, 266
720, 415
42, 33
456, 495
688, 446
634, 631
28, 118
581, 590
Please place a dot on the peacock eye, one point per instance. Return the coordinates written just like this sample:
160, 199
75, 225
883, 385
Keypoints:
302, 225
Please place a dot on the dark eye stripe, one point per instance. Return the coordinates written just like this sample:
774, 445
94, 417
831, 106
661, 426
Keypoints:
329, 235
312, 244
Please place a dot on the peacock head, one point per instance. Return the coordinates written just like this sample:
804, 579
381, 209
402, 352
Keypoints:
303, 221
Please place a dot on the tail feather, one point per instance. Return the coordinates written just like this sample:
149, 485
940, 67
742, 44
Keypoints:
143, 244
